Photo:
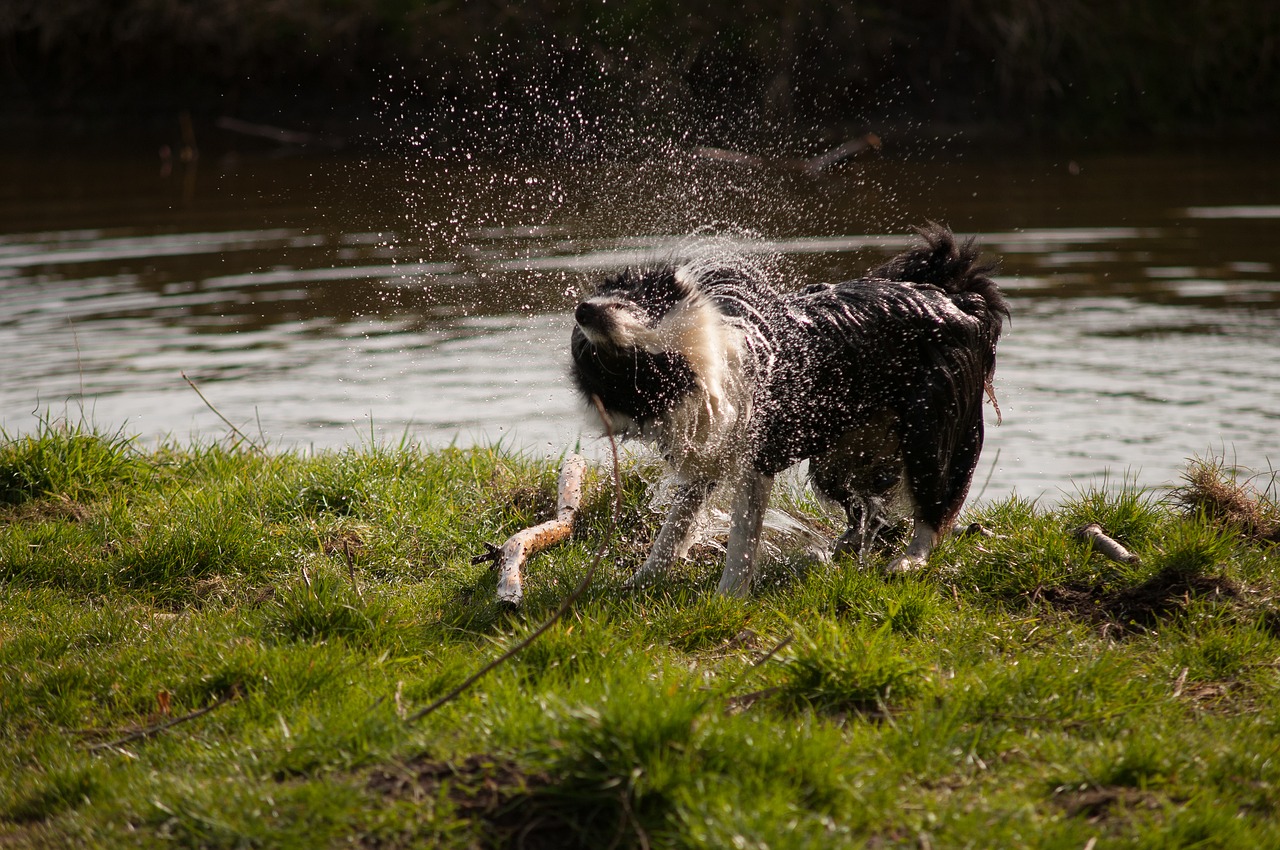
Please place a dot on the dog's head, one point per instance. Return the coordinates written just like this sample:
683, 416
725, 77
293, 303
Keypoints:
631, 342
629, 309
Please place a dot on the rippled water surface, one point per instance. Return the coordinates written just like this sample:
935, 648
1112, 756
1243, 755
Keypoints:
333, 301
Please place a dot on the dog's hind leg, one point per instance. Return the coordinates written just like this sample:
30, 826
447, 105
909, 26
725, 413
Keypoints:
862, 482
674, 534
938, 491
923, 539
741, 562
866, 520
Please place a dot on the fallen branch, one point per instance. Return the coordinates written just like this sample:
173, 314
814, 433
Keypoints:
568, 601
1093, 534
510, 556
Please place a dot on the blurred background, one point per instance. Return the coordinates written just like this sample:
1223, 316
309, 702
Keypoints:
355, 221
762, 74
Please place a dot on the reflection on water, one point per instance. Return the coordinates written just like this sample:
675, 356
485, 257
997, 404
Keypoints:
326, 302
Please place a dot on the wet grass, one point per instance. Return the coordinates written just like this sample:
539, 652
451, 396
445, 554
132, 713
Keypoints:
204, 646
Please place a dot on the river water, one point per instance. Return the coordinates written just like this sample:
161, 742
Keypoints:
330, 301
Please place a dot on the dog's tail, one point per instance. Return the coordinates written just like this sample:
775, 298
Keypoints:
955, 268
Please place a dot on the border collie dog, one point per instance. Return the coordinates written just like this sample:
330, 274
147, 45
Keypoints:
877, 382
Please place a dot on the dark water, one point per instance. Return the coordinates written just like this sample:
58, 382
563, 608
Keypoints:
334, 301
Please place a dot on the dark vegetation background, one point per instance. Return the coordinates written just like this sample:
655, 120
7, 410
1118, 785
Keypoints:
751, 74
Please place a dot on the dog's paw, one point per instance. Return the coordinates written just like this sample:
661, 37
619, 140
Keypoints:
850, 546
905, 564
642, 579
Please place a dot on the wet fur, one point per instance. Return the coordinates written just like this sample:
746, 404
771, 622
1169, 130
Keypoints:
878, 382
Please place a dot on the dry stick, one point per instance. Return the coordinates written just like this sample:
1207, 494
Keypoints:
168, 724
568, 601
207, 404
519, 546
1105, 545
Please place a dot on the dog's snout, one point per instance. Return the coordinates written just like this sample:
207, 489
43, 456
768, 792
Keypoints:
589, 315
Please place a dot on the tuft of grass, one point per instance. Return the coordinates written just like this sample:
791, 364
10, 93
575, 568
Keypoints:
324, 605
1193, 548
698, 621
1225, 495
71, 461
835, 669
192, 555
1130, 514
1031, 551
53, 790
331, 489
908, 607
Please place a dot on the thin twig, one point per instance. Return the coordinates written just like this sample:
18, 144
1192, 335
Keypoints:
990, 472
568, 601
149, 731
217, 412
746, 700
777, 647
75, 338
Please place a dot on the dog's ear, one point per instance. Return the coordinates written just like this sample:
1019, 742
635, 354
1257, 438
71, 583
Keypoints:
654, 290
620, 282
667, 286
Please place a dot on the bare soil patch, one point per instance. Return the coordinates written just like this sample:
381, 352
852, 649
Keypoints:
495, 791
1141, 606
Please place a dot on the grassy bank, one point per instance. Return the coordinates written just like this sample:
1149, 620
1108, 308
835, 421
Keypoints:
592, 75
209, 646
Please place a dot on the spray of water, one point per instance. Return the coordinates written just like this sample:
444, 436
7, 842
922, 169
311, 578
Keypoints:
514, 195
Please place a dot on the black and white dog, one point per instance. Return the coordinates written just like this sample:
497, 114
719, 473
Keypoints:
878, 382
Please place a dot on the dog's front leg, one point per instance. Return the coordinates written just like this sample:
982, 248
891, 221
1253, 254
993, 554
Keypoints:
674, 534
749, 505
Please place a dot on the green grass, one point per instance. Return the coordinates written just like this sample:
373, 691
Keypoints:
1021, 690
